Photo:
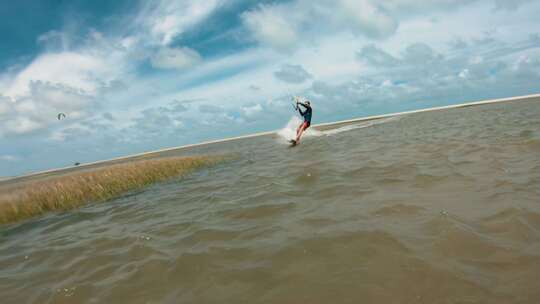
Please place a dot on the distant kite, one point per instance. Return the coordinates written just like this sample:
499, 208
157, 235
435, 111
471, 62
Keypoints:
61, 116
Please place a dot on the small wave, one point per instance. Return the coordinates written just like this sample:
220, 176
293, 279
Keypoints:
289, 131
358, 126
399, 209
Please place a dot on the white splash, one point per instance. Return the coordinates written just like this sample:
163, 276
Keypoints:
288, 132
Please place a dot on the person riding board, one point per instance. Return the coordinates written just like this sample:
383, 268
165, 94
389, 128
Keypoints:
306, 114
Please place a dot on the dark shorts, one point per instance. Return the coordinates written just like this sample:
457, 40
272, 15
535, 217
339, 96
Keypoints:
306, 124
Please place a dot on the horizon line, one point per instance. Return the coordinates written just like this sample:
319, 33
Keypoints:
366, 118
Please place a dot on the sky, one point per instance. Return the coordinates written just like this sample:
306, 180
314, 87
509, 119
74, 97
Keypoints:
135, 76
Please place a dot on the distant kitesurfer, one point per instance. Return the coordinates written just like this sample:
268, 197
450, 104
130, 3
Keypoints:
306, 114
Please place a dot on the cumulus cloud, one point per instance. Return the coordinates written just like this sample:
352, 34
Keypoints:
40, 107
99, 83
77, 70
420, 54
376, 57
422, 73
292, 74
252, 110
367, 18
208, 108
175, 58
72, 81
269, 25
178, 106
154, 125
464, 73
416, 54
154, 120
285, 26
74, 78
97, 65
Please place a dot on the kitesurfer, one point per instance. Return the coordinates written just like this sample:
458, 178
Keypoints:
306, 114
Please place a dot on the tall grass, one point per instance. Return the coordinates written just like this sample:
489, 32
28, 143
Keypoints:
78, 188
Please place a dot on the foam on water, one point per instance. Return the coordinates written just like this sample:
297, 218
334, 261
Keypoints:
404, 212
288, 132
358, 126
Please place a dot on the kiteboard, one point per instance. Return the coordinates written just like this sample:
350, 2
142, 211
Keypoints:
293, 143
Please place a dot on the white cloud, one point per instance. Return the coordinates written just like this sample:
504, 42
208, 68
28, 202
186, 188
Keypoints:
272, 25
82, 71
420, 54
286, 26
167, 19
54, 40
252, 110
416, 54
208, 108
365, 17
40, 106
376, 57
5, 105
175, 58
20, 125
464, 73
412, 60
292, 73
423, 73
73, 78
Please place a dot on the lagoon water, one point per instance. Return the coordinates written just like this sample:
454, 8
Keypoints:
436, 207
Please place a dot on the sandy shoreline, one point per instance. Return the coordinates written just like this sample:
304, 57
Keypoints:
322, 126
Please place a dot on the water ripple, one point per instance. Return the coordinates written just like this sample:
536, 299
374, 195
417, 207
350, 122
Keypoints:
437, 207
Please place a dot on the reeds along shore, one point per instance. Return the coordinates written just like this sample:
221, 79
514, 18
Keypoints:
73, 190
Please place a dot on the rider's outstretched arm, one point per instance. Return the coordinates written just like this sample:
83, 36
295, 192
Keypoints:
300, 110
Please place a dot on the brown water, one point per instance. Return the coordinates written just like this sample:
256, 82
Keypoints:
438, 207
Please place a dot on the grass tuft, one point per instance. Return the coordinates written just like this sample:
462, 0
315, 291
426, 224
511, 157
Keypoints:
79, 188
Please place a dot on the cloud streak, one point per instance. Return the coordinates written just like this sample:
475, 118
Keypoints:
175, 58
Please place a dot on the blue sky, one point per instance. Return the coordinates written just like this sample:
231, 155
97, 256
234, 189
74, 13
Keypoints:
138, 76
